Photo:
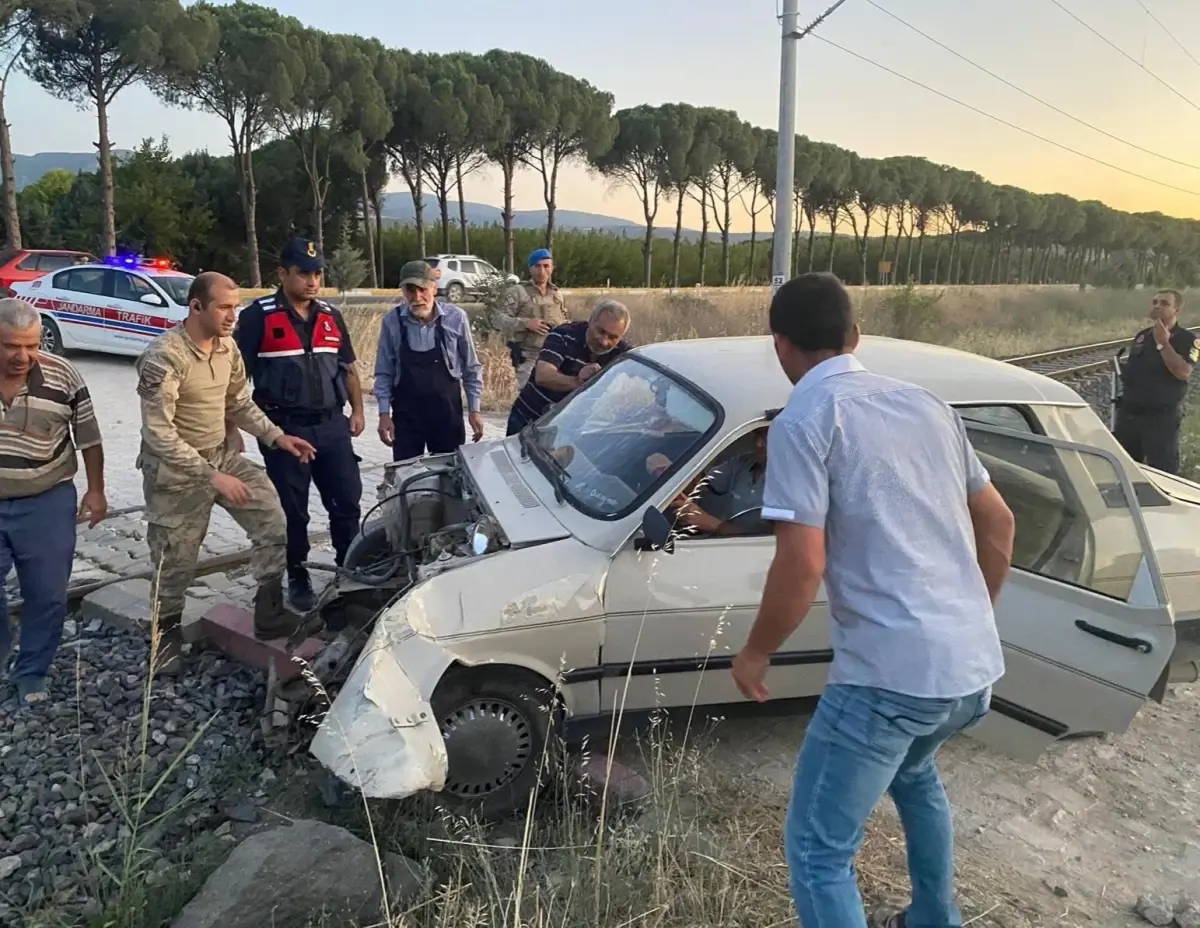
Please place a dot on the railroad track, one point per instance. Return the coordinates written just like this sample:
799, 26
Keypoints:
1073, 362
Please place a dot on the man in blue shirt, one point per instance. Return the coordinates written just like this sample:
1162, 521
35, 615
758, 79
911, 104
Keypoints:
572, 354
425, 361
873, 485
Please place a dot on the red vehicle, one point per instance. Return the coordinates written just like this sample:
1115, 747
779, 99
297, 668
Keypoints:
21, 264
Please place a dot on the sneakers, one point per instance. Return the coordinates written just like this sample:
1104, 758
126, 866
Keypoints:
271, 618
300, 591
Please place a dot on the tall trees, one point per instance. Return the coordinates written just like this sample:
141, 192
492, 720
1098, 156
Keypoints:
522, 119
316, 122
732, 173
88, 51
251, 76
338, 77
681, 147
14, 36
462, 115
638, 160
577, 125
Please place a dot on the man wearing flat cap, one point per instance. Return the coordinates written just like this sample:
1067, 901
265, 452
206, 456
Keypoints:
298, 354
528, 311
425, 361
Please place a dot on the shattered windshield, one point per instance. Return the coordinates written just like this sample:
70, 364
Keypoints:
611, 444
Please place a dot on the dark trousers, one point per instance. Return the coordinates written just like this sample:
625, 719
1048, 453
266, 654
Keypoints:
334, 471
37, 535
1151, 437
516, 421
430, 422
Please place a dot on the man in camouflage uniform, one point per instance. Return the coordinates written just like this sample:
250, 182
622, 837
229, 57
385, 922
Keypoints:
527, 312
191, 382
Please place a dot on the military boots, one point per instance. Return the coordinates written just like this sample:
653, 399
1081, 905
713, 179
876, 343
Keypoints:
168, 660
272, 619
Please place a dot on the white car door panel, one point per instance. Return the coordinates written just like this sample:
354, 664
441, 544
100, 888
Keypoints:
74, 299
675, 621
132, 322
1085, 620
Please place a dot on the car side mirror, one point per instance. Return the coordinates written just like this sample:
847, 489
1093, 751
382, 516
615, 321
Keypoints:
656, 533
152, 299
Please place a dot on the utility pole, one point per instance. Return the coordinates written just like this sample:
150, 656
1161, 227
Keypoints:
785, 167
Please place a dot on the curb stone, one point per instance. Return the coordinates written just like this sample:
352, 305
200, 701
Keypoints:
128, 606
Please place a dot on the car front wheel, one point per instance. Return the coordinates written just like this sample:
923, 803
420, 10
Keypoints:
501, 738
455, 293
51, 337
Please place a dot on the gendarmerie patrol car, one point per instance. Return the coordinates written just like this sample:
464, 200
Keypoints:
116, 306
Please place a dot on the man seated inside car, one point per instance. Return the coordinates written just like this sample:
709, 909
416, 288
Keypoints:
710, 502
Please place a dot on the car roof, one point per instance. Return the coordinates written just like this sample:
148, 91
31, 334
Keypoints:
146, 269
744, 376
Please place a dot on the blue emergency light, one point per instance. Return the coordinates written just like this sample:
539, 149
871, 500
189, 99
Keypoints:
138, 261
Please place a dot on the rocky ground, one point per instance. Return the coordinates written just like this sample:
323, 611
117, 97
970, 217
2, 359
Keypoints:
84, 777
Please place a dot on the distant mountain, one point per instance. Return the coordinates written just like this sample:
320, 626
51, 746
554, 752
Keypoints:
31, 168
399, 208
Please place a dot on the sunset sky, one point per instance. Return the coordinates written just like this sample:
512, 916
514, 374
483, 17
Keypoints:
726, 54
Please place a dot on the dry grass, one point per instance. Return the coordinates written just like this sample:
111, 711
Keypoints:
992, 321
704, 851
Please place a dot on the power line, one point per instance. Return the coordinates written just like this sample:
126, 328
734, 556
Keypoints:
1109, 42
1183, 48
1031, 96
1002, 121
801, 33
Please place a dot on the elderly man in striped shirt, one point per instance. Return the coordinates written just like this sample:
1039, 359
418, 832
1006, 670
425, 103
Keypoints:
45, 417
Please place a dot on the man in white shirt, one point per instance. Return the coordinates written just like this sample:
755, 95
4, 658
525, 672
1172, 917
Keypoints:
874, 486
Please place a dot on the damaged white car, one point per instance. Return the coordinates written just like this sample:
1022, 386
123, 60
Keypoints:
517, 589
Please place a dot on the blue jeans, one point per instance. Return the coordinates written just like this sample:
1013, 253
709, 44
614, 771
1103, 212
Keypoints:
861, 743
37, 534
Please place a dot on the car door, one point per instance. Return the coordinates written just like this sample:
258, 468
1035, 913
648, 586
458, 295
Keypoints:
138, 312
75, 299
674, 621
470, 275
1084, 618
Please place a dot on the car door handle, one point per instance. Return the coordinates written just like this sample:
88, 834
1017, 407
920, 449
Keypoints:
1140, 645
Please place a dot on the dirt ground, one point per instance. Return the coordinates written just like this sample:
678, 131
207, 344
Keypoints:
1071, 841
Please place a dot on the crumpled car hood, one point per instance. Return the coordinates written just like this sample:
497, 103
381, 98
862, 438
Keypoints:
558, 581
512, 502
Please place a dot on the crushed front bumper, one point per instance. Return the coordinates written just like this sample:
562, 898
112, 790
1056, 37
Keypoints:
379, 735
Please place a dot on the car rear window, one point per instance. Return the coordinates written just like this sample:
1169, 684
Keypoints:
28, 263
56, 262
432, 262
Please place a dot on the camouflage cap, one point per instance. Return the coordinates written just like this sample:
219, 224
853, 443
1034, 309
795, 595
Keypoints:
417, 273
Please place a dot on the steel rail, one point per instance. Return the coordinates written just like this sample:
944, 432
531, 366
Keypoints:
1073, 361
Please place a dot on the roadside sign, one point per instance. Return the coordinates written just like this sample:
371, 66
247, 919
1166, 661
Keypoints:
776, 282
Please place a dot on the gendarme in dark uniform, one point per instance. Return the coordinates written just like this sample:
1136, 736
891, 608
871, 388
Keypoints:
298, 354
1154, 382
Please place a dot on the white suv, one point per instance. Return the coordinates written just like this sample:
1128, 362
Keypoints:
462, 276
